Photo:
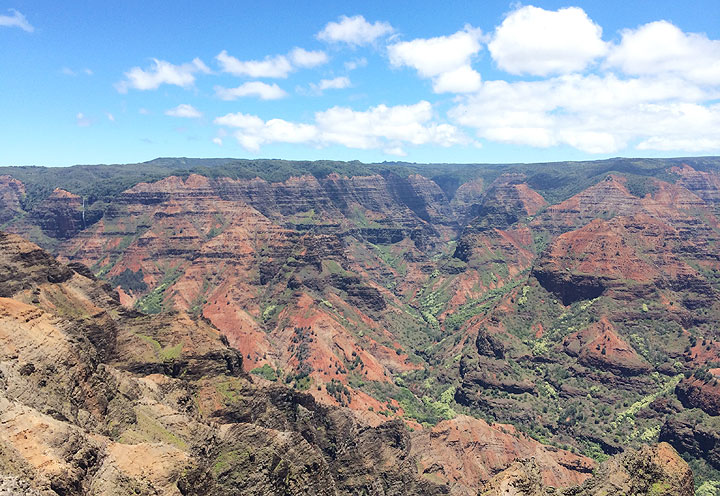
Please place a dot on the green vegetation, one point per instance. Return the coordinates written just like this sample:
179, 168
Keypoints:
164, 353
154, 301
629, 414
554, 181
266, 372
129, 281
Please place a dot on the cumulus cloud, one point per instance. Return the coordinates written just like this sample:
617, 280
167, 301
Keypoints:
337, 83
445, 59
380, 127
278, 66
16, 20
184, 110
593, 113
271, 67
306, 59
541, 42
162, 72
258, 89
354, 31
661, 48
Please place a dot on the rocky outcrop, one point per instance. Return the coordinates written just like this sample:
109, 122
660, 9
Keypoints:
489, 345
697, 393
507, 201
697, 439
624, 256
603, 200
656, 470
706, 185
36, 266
599, 346
12, 193
62, 215
465, 452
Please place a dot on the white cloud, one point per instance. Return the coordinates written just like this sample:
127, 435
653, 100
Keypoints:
16, 20
259, 89
595, 114
337, 83
461, 80
351, 65
541, 42
218, 141
143, 111
380, 127
184, 110
271, 67
110, 117
446, 59
354, 31
662, 48
278, 66
162, 72
306, 59
82, 120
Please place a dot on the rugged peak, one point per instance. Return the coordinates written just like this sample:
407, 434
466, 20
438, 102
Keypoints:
604, 199
706, 185
197, 181
507, 201
600, 346
24, 265
59, 193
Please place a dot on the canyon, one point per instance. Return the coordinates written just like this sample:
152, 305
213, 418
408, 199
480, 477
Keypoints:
334, 328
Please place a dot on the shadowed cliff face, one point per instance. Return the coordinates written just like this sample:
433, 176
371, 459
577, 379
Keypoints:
572, 320
12, 192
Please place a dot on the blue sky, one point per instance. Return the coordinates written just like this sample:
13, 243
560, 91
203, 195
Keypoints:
480, 81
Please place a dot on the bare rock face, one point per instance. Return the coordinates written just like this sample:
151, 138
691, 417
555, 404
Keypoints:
35, 265
12, 192
648, 470
522, 478
507, 200
699, 440
605, 199
651, 470
466, 452
706, 185
696, 393
62, 215
600, 346
624, 256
